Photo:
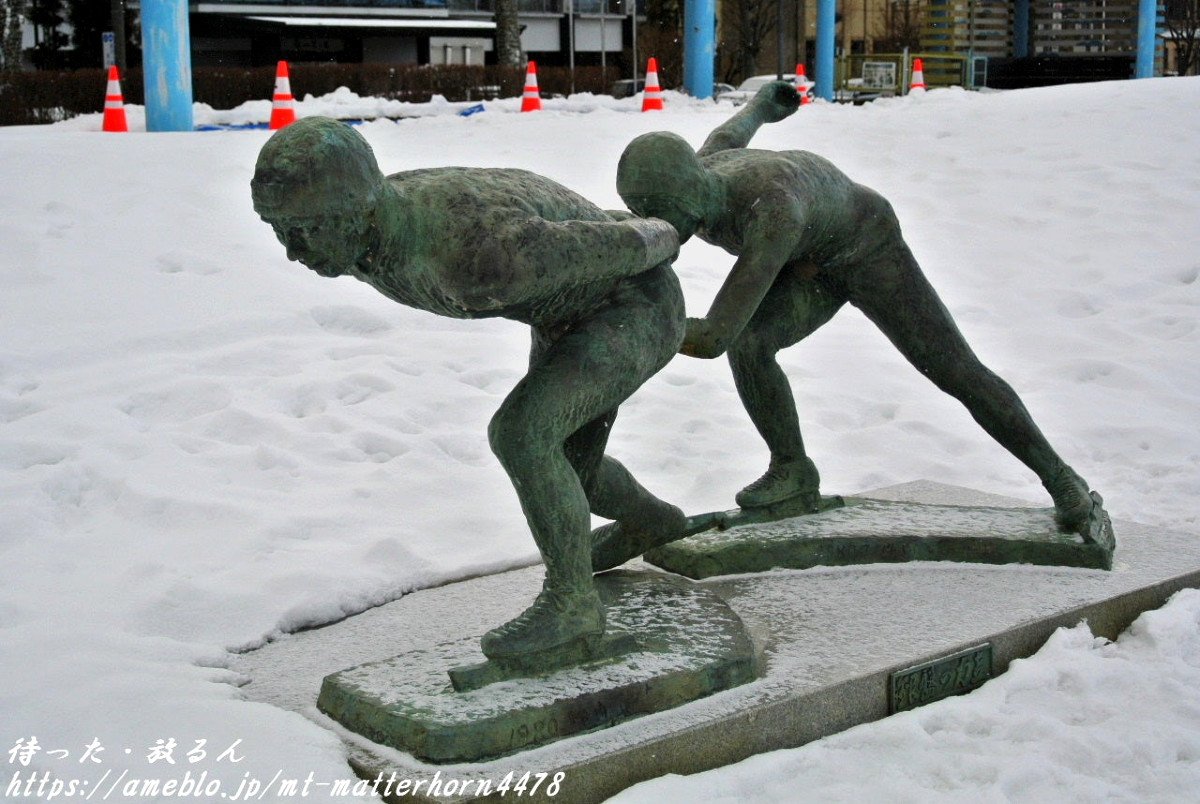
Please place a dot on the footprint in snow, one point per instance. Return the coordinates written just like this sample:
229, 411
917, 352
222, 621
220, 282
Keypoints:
348, 320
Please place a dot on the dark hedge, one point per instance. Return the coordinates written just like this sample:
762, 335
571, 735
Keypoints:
44, 96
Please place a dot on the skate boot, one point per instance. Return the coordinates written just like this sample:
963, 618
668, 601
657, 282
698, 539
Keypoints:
617, 542
556, 621
783, 481
1072, 502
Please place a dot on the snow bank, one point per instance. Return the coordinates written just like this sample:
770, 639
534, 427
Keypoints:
202, 445
347, 105
1083, 720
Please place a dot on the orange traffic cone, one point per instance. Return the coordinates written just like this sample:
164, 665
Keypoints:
802, 85
283, 105
652, 100
918, 76
114, 104
531, 101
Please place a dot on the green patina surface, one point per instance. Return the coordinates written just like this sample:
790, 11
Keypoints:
604, 309
687, 644
606, 313
877, 531
940, 678
809, 241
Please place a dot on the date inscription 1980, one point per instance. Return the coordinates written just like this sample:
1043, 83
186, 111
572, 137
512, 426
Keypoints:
941, 678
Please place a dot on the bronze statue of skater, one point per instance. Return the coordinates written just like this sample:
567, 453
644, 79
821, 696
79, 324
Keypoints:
605, 310
807, 241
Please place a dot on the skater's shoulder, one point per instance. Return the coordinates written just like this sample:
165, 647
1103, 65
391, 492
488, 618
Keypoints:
752, 166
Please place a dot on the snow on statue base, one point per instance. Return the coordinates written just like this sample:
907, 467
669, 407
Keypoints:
668, 642
882, 531
835, 647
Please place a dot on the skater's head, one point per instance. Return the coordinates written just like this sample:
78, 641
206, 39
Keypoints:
316, 183
660, 176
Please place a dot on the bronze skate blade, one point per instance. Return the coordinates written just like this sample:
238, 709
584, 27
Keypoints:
586, 650
799, 505
795, 506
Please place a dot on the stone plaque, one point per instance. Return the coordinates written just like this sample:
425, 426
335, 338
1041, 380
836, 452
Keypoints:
951, 675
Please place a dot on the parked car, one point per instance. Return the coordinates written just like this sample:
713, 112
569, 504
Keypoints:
753, 84
626, 87
857, 94
854, 93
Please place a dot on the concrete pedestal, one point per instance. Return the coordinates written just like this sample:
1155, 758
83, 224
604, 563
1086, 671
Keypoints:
837, 644
676, 642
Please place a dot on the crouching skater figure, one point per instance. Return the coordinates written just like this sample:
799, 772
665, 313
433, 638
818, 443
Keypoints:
604, 306
807, 241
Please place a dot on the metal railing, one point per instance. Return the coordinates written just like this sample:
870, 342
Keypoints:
613, 8
523, 6
345, 4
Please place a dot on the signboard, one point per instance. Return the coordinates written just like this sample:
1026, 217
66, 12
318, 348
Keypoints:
940, 678
879, 75
108, 44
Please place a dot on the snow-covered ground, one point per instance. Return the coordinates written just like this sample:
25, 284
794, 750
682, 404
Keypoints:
1084, 720
203, 445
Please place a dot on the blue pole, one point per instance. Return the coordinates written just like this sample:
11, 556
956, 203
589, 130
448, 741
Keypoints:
699, 33
1021, 29
1147, 32
823, 66
167, 65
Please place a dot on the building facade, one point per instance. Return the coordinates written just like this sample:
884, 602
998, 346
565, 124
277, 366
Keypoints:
994, 29
258, 32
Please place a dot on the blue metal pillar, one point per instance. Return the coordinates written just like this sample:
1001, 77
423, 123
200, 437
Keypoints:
699, 34
823, 65
1146, 38
167, 65
1021, 29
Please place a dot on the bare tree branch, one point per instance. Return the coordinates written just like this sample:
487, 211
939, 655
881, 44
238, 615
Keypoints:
903, 21
1183, 23
12, 18
754, 21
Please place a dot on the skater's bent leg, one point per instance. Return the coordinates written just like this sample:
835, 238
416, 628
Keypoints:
642, 521
647, 320
792, 310
616, 349
526, 435
766, 395
613, 493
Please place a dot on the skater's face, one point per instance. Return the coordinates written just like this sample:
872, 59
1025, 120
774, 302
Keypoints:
668, 209
317, 184
328, 244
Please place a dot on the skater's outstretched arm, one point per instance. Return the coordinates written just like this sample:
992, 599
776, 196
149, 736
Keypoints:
770, 240
533, 259
772, 103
